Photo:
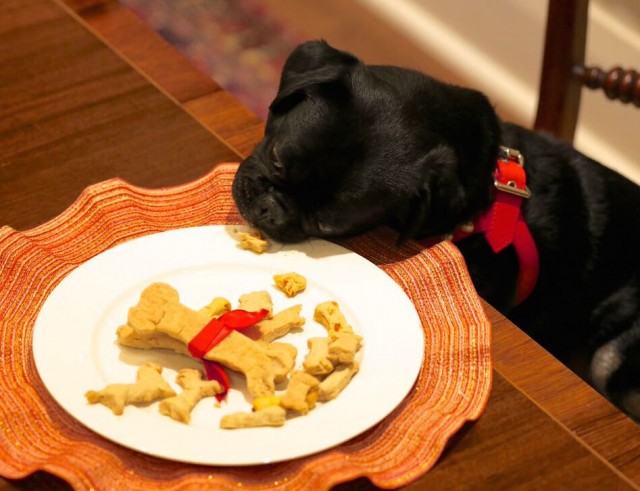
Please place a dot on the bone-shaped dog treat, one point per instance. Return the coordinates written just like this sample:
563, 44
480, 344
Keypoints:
302, 393
194, 389
337, 380
317, 361
342, 347
329, 315
160, 321
282, 323
148, 387
270, 416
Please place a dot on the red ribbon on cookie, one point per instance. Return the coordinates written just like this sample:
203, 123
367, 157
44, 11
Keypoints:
214, 332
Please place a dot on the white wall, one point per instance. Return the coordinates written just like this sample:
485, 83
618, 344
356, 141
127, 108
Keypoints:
497, 47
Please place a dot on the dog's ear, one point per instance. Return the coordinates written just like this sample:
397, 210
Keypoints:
312, 55
313, 65
419, 204
436, 202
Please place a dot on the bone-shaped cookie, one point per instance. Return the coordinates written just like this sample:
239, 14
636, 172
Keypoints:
159, 320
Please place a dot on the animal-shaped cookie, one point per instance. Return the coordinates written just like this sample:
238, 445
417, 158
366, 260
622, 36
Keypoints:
148, 387
179, 406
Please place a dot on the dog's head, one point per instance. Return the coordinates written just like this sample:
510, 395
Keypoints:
349, 146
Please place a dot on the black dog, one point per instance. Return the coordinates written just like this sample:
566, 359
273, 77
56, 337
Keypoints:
349, 147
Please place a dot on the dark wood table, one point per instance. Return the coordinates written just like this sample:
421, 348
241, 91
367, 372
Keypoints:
88, 92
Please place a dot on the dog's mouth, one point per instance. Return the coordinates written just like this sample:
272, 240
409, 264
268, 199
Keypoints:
279, 215
264, 206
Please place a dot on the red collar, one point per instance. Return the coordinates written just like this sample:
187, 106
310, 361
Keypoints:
503, 223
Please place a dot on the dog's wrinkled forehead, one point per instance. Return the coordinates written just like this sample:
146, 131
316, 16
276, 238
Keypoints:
312, 124
312, 66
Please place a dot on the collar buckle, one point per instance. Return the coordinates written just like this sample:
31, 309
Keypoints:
502, 182
511, 155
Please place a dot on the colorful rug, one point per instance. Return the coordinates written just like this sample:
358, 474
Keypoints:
236, 42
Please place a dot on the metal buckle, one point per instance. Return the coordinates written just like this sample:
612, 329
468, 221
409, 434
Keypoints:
511, 188
506, 153
512, 155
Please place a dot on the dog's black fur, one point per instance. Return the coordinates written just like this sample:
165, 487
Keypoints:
350, 146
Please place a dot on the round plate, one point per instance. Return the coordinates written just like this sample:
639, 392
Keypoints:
75, 346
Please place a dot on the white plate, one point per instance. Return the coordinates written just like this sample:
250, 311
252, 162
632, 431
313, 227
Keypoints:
75, 349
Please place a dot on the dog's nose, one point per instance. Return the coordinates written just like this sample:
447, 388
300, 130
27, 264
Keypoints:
278, 217
271, 211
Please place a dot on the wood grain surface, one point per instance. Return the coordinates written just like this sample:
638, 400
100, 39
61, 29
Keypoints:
87, 92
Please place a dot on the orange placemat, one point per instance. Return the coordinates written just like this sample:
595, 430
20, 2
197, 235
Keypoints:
37, 434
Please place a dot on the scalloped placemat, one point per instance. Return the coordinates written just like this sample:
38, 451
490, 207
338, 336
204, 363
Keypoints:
37, 434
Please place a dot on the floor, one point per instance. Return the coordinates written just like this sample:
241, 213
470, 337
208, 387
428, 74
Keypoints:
243, 44
349, 25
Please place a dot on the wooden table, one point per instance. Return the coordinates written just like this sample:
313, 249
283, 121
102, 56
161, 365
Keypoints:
87, 92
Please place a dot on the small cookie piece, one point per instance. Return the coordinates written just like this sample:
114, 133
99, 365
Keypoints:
317, 360
342, 347
252, 241
265, 402
282, 323
148, 387
194, 389
270, 416
216, 308
256, 301
302, 392
329, 315
335, 382
290, 283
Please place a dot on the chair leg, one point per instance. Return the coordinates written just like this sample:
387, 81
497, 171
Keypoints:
559, 93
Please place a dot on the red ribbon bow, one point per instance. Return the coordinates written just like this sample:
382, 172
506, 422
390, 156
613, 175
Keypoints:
214, 332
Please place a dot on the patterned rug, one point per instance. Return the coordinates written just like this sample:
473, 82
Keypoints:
237, 42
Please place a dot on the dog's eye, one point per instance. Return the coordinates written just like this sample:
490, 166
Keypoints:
274, 159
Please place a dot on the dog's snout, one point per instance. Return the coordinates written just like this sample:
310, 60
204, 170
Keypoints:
271, 210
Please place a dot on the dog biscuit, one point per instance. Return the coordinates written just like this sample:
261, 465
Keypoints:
160, 321
148, 387
317, 361
290, 283
302, 392
179, 407
342, 347
337, 380
252, 241
270, 416
281, 324
329, 315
